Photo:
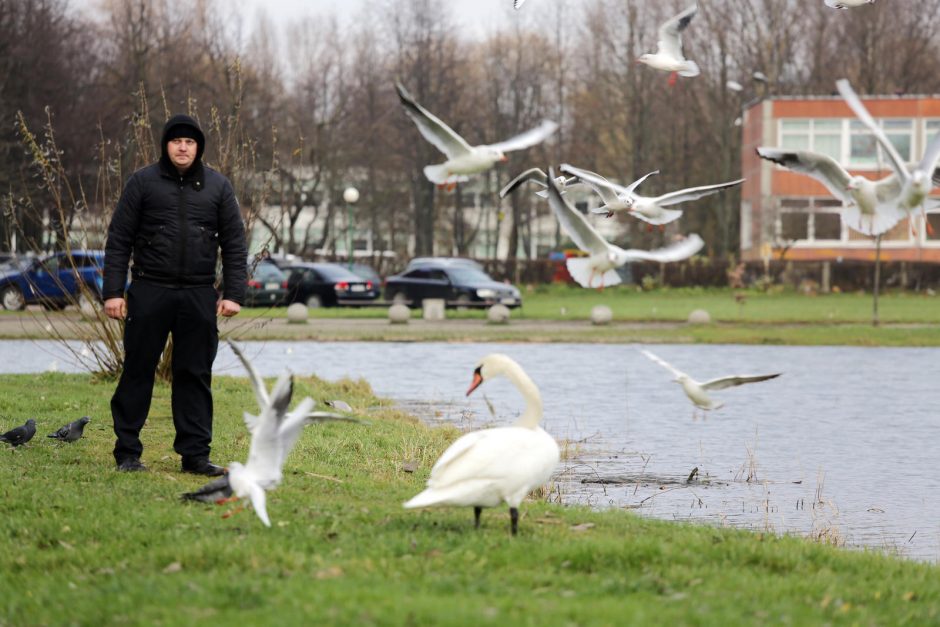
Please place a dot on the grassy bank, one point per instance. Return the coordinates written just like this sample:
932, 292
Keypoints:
80, 543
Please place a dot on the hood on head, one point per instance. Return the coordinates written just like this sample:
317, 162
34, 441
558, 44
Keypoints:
197, 134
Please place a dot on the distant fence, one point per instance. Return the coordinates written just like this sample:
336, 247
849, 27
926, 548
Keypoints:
711, 272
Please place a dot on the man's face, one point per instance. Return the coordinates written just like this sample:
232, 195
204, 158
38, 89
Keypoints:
182, 151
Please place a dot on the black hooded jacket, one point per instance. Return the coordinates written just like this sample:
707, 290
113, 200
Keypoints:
173, 225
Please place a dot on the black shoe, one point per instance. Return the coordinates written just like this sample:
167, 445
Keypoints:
202, 466
131, 464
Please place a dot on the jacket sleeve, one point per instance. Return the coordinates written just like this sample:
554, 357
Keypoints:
234, 248
121, 234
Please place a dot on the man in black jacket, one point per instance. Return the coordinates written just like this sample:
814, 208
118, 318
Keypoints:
172, 218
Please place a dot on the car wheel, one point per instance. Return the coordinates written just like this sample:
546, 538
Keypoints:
314, 302
12, 299
463, 302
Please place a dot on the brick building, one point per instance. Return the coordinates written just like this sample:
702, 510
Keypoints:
784, 212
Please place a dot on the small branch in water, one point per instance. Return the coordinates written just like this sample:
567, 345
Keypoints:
692, 475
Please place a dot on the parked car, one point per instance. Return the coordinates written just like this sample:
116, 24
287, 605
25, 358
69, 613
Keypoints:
456, 261
366, 272
459, 284
54, 281
328, 285
267, 285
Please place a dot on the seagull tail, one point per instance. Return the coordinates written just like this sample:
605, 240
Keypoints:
439, 175
691, 69
580, 270
870, 224
256, 494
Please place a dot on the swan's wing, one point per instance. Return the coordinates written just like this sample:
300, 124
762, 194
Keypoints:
693, 193
531, 137
664, 364
678, 251
532, 174
670, 39
256, 382
821, 167
604, 188
734, 380
431, 128
855, 103
575, 225
455, 451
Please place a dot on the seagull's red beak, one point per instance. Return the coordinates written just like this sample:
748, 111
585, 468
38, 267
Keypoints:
477, 380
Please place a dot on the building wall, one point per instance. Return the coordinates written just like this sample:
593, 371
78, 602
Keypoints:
775, 199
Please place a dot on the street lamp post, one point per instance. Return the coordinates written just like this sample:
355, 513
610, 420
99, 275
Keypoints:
351, 196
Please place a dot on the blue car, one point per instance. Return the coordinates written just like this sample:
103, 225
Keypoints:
61, 279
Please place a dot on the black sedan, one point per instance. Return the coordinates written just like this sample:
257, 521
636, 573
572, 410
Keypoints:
267, 286
328, 285
459, 284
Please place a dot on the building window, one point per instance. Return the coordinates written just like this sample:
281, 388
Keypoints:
795, 134
933, 233
823, 136
816, 220
863, 147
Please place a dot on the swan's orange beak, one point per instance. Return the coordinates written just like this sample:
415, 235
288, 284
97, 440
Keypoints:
477, 380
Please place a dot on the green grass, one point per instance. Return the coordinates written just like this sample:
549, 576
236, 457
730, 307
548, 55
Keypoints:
82, 544
559, 302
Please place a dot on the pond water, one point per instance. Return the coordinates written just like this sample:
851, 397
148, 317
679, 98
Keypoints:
842, 446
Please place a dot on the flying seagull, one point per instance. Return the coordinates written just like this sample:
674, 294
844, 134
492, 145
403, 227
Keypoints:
500, 465
72, 431
669, 56
462, 158
597, 270
915, 183
868, 206
274, 431
537, 176
20, 435
517, 4
650, 209
698, 391
847, 4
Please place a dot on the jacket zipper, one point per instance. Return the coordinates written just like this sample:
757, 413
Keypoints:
182, 232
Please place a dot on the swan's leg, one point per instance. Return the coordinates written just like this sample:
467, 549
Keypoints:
477, 510
514, 520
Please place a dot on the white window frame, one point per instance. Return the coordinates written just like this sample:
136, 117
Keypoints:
845, 136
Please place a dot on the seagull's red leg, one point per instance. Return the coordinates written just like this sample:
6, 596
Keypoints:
231, 499
673, 77
662, 228
649, 228
232, 512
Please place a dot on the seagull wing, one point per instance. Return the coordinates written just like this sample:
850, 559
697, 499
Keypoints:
604, 188
573, 222
432, 129
517, 4
928, 162
532, 174
670, 39
693, 193
734, 380
531, 137
257, 383
855, 103
665, 364
821, 167
674, 252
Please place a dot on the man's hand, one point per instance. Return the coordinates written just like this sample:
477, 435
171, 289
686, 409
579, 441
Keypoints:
115, 308
227, 308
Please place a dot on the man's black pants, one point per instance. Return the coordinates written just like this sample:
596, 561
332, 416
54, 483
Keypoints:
154, 312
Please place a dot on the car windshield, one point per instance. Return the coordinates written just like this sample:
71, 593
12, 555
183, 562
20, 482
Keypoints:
337, 273
468, 275
268, 272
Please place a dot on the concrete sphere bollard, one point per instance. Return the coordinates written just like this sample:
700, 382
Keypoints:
497, 314
297, 313
601, 314
699, 316
399, 314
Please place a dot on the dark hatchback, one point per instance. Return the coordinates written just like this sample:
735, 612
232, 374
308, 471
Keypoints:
328, 285
54, 281
459, 284
267, 286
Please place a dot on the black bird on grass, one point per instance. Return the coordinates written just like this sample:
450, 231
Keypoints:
72, 431
20, 435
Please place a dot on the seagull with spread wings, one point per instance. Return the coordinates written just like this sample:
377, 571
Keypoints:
916, 183
597, 269
697, 391
650, 209
669, 56
274, 432
462, 158
868, 206
537, 176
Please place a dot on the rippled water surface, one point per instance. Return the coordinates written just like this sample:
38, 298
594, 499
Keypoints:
843, 445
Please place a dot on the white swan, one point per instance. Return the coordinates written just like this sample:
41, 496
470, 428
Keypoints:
503, 464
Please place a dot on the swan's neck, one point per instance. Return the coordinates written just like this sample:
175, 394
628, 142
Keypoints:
532, 415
